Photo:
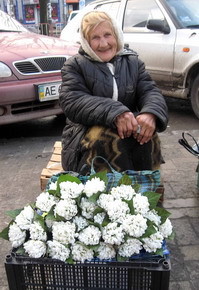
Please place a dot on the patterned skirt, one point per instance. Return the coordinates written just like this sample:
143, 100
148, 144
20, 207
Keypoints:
122, 154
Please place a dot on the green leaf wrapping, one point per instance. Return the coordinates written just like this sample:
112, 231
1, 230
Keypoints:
98, 210
4, 233
159, 252
50, 215
121, 259
102, 175
130, 205
126, 180
150, 230
70, 261
64, 178
136, 187
20, 251
163, 213
153, 198
14, 213
94, 197
40, 219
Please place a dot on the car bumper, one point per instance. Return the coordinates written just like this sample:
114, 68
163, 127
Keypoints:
19, 101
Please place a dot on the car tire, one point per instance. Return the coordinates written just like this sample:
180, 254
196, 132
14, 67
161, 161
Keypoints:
195, 96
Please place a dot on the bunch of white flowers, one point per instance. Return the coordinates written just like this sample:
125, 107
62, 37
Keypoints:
70, 189
93, 186
153, 216
153, 242
25, 218
105, 200
35, 249
80, 222
106, 251
141, 204
45, 201
135, 225
113, 234
166, 228
16, 235
58, 251
117, 210
88, 208
90, 235
66, 208
130, 247
81, 253
37, 232
125, 192
77, 221
64, 232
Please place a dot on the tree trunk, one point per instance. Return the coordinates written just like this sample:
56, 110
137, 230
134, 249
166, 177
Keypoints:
44, 27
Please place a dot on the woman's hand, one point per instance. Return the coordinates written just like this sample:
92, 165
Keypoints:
142, 127
147, 123
126, 124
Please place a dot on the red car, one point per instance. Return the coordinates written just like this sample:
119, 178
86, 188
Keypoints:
30, 76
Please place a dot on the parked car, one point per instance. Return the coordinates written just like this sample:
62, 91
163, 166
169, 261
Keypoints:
164, 33
72, 15
30, 76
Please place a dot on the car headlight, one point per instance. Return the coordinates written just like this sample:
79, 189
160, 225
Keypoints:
5, 71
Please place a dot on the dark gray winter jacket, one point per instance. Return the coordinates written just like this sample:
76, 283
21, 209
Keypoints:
87, 89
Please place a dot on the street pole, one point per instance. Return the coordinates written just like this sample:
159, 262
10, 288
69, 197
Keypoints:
49, 12
49, 17
10, 8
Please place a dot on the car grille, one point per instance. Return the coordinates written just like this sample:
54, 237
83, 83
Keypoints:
40, 65
26, 107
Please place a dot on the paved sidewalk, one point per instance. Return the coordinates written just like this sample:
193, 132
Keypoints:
182, 200
20, 184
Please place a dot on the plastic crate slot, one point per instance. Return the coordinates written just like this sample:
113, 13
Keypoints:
24, 273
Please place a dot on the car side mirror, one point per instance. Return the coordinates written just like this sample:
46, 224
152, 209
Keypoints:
158, 25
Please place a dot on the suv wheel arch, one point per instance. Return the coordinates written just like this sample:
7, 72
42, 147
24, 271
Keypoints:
195, 96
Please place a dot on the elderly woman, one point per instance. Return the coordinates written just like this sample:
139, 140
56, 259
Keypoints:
113, 107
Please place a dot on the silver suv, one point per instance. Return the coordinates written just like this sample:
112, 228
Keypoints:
165, 34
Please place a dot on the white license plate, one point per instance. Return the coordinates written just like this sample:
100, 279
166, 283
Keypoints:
48, 91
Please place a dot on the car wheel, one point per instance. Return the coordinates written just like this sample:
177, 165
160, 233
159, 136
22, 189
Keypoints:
195, 96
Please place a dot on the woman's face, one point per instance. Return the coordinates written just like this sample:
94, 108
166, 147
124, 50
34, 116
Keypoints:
103, 41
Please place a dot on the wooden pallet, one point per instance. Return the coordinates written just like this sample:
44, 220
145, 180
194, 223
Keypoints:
53, 167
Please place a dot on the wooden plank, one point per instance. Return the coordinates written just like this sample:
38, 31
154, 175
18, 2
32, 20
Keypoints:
43, 183
49, 172
57, 150
57, 144
53, 167
55, 158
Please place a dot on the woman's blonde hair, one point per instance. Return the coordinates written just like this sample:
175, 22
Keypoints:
91, 20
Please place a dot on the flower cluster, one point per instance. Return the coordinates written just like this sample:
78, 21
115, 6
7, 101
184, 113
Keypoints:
76, 221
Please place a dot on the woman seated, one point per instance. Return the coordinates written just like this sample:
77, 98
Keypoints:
113, 108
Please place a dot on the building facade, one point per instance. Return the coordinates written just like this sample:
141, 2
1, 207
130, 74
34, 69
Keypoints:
28, 11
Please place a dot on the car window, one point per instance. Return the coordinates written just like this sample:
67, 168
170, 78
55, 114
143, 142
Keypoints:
186, 12
137, 14
112, 7
7, 23
73, 14
71, 30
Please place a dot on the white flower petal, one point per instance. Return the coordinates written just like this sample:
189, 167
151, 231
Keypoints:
35, 249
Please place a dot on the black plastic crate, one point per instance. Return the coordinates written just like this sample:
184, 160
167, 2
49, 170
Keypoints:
44, 273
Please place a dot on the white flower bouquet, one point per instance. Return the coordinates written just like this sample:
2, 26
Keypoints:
78, 221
